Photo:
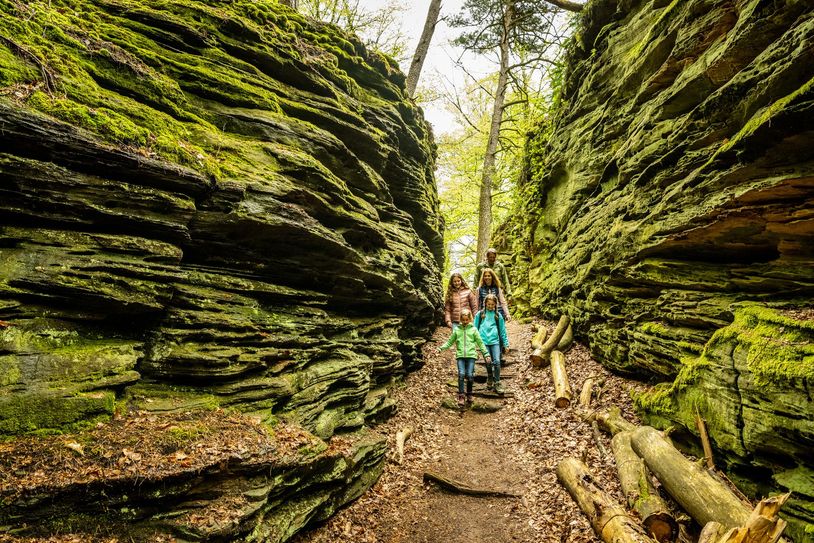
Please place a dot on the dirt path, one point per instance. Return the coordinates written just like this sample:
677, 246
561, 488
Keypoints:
515, 449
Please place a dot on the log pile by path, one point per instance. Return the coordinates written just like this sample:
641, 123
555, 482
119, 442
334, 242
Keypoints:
642, 452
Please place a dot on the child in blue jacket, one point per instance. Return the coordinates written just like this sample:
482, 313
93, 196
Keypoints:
492, 329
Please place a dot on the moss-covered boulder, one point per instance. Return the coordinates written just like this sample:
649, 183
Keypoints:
207, 204
676, 182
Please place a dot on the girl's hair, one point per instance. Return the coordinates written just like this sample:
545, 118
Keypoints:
495, 280
465, 312
451, 289
490, 297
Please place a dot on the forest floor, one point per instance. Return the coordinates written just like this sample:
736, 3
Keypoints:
515, 449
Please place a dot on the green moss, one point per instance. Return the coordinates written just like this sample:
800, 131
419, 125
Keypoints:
47, 412
763, 117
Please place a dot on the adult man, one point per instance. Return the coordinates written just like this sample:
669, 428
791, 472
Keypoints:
499, 269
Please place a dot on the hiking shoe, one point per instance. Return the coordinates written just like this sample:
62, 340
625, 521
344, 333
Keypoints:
489, 383
499, 387
469, 400
461, 400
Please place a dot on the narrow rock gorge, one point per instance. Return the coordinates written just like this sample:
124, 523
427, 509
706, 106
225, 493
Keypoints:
205, 206
670, 212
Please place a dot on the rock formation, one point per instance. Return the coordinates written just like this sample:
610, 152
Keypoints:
675, 189
203, 205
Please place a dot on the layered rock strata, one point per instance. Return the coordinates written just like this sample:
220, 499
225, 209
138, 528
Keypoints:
206, 204
676, 183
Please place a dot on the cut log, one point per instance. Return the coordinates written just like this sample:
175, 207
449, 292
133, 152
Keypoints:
763, 525
562, 390
608, 519
700, 494
612, 421
542, 355
587, 393
401, 437
456, 486
702, 431
567, 340
639, 491
539, 338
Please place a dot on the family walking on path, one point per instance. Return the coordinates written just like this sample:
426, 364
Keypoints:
487, 334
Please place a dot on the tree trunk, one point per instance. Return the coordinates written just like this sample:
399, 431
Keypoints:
541, 355
612, 421
639, 491
608, 519
488, 175
562, 390
422, 47
566, 5
700, 494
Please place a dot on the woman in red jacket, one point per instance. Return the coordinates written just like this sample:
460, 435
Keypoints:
458, 297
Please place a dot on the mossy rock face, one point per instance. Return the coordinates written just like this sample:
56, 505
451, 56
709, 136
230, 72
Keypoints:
208, 204
676, 182
752, 386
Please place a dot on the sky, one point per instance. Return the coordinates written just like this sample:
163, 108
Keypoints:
439, 67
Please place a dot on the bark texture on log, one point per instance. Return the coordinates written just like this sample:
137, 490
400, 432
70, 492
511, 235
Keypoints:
542, 355
612, 421
566, 340
562, 390
700, 494
608, 518
539, 338
587, 393
639, 491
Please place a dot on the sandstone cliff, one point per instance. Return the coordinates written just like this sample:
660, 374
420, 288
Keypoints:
209, 204
674, 192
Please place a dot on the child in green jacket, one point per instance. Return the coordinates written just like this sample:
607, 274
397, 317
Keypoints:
466, 351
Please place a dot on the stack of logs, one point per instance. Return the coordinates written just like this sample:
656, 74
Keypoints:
551, 351
641, 453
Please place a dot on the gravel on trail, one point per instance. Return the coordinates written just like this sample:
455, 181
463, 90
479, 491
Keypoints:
515, 449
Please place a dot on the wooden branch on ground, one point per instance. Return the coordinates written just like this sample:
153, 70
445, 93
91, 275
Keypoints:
542, 355
402, 436
562, 390
703, 496
612, 421
639, 491
599, 445
608, 519
456, 486
587, 393
567, 340
702, 431
763, 525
